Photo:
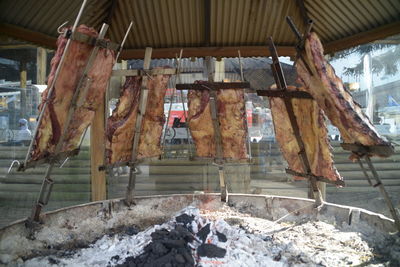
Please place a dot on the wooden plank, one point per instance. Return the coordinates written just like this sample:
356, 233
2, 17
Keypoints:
97, 150
21, 33
212, 85
227, 51
41, 63
23, 96
363, 37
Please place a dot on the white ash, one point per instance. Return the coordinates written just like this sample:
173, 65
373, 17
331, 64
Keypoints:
250, 242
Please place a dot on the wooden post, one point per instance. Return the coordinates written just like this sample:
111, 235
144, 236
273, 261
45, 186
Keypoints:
97, 178
41, 60
123, 66
219, 70
23, 78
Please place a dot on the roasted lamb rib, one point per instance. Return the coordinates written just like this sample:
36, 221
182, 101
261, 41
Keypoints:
55, 115
331, 95
311, 122
121, 124
231, 116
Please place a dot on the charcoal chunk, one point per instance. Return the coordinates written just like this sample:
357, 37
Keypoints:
115, 258
160, 234
158, 248
221, 237
203, 233
130, 230
174, 243
168, 248
179, 258
53, 261
184, 233
211, 251
184, 218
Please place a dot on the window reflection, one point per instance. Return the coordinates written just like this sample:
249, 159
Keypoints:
370, 72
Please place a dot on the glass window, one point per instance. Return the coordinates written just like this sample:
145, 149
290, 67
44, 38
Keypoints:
20, 95
370, 72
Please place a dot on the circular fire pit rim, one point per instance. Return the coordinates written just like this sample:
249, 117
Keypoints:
65, 227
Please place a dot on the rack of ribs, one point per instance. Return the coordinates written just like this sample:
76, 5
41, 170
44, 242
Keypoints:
55, 115
231, 116
120, 129
311, 122
335, 100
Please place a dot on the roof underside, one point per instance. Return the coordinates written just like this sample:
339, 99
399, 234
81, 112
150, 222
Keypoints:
206, 27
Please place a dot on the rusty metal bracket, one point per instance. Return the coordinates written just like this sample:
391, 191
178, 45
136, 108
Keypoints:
318, 178
364, 152
361, 150
90, 40
383, 191
212, 86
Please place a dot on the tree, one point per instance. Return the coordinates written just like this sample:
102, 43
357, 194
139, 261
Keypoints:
388, 62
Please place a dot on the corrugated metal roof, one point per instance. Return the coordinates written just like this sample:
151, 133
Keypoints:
182, 23
256, 71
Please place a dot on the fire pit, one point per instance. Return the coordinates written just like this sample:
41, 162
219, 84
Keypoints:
188, 230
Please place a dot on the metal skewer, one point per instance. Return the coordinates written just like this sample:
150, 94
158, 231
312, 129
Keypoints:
171, 99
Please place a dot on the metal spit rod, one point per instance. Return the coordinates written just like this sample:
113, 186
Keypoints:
51, 88
123, 41
171, 99
365, 172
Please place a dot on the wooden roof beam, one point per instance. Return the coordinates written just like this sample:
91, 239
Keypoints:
363, 38
26, 35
